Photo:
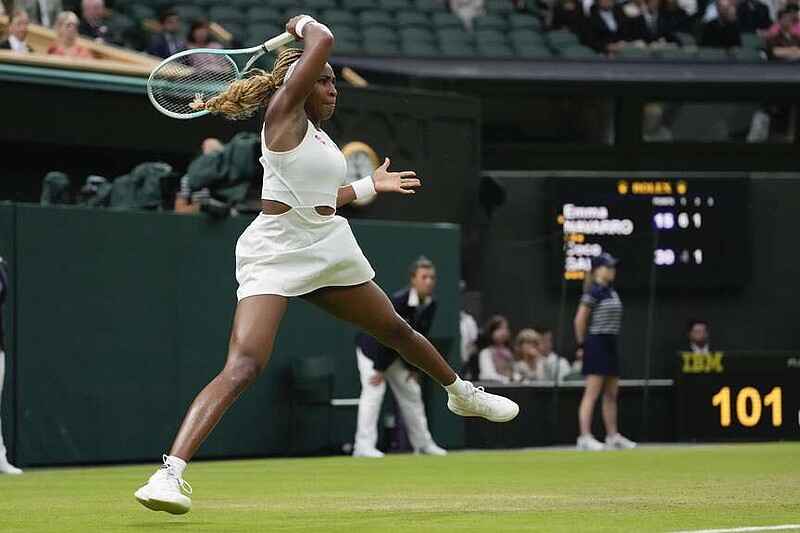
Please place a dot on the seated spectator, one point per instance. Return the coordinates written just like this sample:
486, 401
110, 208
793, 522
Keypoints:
605, 27
783, 42
639, 23
528, 365
699, 336
753, 16
66, 43
95, 24
495, 361
468, 328
17, 33
42, 12
168, 41
467, 10
568, 14
722, 31
653, 128
672, 19
776, 27
554, 367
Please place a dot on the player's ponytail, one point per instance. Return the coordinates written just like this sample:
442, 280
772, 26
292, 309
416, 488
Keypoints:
244, 97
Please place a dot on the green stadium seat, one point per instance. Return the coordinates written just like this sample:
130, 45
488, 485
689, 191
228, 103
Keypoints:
205, 4
347, 47
446, 20
499, 6
290, 12
752, 41
454, 35
457, 49
561, 38
634, 52
346, 33
490, 37
319, 5
259, 32
141, 11
685, 38
578, 51
244, 5
712, 54
405, 19
675, 54
379, 34
375, 17
225, 14
189, 12
491, 22
521, 20
419, 35
236, 29
525, 36
264, 14
531, 50
493, 50
339, 17
358, 5
419, 49
430, 6
284, 4
748, 55
381, 48
394, 5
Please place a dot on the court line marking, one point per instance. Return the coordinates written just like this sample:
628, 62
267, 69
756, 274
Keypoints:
744, 529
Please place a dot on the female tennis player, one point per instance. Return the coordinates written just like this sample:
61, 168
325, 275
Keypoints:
600, 315
297, 246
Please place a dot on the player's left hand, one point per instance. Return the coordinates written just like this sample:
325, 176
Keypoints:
403, 182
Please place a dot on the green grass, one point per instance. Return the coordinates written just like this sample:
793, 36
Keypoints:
649, 489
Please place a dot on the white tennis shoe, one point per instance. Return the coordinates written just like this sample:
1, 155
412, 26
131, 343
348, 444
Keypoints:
165, 490
8, 468
477, 402
588, 443
371, 453
431, 449
618, 442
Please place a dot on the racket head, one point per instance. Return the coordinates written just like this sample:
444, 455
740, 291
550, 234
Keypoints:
175, 83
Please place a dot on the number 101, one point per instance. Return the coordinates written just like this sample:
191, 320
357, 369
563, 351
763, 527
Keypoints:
748, 406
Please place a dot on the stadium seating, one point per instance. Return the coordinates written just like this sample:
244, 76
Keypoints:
424, 28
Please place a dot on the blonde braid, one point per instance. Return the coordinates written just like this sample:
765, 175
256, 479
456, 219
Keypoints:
245, 96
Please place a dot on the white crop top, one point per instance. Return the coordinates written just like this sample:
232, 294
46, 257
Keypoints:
309, 175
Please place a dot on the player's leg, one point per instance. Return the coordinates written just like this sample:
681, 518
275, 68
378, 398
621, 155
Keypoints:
594, 385
367, 307
369, 409
614, 438
5, 466
408, 394
254, 328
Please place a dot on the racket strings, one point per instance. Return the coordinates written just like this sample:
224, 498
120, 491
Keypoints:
183, 85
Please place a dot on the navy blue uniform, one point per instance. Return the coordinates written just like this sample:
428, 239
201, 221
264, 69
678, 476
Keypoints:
600, 356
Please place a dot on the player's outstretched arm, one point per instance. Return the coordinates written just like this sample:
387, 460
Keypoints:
382, 180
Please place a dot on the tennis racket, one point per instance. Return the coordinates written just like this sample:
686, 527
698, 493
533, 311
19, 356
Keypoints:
181, 81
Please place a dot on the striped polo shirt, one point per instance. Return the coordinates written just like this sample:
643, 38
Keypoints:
606, 317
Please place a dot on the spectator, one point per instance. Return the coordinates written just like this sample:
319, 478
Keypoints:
495, 361
698, 336
95, 24
467, 10
639, 21
653, 128
168, 41
722, 31
753, 16
5, 466
66, 43
672, 19
783, 39
468, 328
568, 14
378, 365
200, 37
554, 367
776, 27
528, 365
17, 33
43, 12
605, 31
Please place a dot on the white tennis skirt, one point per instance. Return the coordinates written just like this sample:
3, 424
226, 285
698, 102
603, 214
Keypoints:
298, 252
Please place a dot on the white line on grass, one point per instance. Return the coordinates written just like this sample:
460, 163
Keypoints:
744, 529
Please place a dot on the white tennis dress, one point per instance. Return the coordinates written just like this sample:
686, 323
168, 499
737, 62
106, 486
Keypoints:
300, 251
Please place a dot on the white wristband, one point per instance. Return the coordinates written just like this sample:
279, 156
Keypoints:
301, 24
364, 188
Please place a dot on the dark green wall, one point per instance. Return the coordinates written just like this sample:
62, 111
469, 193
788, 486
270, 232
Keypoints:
123, 317
8, 400
758, 316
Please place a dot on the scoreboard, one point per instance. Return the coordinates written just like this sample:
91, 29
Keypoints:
738, 396
692, 230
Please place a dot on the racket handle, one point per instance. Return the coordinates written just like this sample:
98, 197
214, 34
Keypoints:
281, 40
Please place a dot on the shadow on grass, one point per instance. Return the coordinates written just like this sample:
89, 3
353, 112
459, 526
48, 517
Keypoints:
166, 524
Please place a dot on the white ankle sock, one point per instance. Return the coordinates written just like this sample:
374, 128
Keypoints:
178, 464
458, 387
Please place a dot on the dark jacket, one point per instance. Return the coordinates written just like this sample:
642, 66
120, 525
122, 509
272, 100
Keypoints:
162, 47
3, 295
752, 15
600, 35
419, 318
5, 44
720, 35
